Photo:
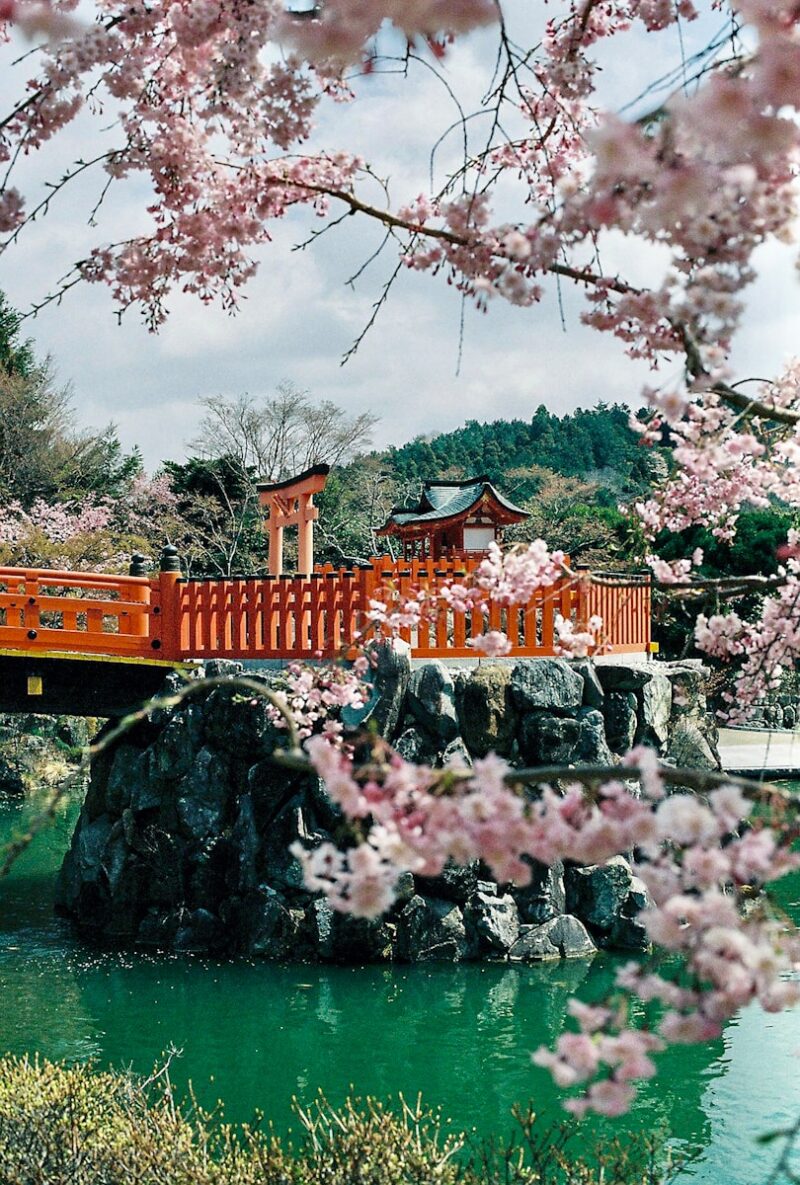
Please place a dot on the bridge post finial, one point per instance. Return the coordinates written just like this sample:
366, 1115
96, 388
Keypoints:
138, 566
170, 560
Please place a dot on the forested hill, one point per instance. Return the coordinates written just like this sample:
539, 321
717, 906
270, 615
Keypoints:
576, 445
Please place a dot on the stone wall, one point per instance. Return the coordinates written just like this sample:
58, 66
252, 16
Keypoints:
183, 840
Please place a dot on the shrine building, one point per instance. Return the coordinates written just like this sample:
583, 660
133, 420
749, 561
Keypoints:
452, 517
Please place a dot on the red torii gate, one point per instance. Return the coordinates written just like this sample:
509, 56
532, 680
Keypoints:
290, 503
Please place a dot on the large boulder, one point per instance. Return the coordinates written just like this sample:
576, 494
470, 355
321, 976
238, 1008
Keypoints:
688, 681
415, 745
271, 926
546, 684
592, 747
431, 700
492, 923
596, 893
456, 882
390, 675
543, 897
250, 734
689, 747
655, 711
623, 676
593, 694
628, 932
431, 930
619, 713
486, 710
548, 740
560, 938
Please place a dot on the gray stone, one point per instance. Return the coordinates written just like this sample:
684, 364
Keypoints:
147, 793
270, 787
688, 689
623, 676
655, 711
82, 867
492, 923
544, 897
159, 928
221, 668
455, 755
564, 937
173, 751
789, 717
201, 931
431, 700
620, 718
592, 746
593, 694
390, 676
627, 932
279, 866
486, 710
127, 773
202, 795
215, 863
413, 745
688, 748
597, 892
163, 854
271, 927
362, 940
238, 723
546, 683
431, 930
325, 810
319, 921
548, 740
246, 842
405, 888
456, 882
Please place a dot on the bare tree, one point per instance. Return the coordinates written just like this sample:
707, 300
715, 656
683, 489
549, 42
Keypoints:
274, 438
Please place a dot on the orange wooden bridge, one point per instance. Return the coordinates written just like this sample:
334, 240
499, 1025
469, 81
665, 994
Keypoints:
131, 627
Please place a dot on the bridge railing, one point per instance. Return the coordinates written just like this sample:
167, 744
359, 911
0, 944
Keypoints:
95, 613
295, 617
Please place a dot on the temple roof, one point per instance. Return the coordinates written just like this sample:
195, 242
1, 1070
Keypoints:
443, 500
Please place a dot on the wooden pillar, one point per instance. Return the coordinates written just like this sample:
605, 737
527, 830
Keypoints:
275, 558
306, 515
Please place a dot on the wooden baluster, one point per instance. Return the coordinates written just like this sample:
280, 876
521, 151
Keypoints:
548, 621
316, 633
335, 613
31, 617
253, 618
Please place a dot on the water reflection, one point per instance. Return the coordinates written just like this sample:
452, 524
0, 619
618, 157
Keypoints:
254, 1035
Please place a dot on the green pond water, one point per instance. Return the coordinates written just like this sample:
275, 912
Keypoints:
255, 1034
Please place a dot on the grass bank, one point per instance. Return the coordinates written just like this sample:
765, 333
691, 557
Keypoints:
77, 1125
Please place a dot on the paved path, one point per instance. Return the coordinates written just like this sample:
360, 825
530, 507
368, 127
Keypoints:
749, 750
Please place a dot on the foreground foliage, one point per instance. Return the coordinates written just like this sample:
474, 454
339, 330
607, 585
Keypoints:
77, 1125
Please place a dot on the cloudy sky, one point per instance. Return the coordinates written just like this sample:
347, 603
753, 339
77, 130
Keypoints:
300, 316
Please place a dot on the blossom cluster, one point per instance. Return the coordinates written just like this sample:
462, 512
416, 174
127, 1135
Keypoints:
699, 861
314, 695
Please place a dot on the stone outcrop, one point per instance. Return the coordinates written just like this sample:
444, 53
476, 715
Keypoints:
185, 835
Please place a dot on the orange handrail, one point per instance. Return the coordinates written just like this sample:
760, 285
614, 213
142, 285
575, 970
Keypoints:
294, 616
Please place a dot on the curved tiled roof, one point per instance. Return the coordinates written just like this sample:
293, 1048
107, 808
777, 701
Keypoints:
443, 500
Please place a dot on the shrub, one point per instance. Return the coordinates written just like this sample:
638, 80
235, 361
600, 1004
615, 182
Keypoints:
77, 1125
